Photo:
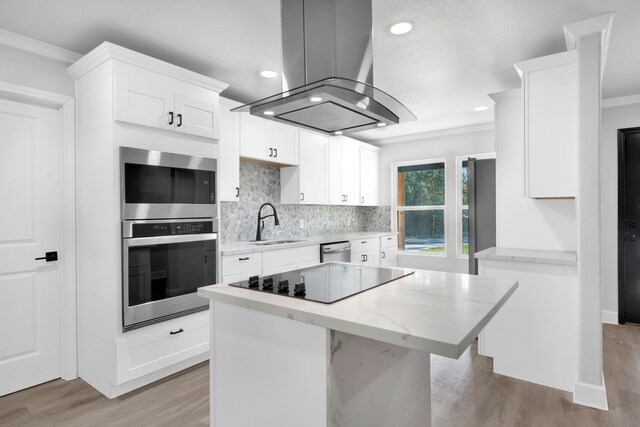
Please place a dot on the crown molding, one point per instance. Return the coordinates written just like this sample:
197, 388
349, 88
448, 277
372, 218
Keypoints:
107, 51
544, 62
435, 134
621, 101
600, 24
27, 44
505, 95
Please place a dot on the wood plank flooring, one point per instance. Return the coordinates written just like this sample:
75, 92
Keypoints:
465, 393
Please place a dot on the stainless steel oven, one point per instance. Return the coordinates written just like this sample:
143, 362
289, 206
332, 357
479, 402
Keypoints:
154, 184
164, 262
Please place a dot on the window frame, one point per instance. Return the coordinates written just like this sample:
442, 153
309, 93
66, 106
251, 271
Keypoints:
395, 207
459, 206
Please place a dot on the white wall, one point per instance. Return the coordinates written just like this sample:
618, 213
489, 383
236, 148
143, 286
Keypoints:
613, 118
448, 147
523, 222
34, 71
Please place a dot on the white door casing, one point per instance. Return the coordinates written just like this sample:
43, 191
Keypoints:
37, 193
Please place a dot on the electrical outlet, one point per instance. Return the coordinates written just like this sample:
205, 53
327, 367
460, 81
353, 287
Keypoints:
302, 223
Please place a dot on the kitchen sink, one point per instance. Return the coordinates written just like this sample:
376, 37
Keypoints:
275, 242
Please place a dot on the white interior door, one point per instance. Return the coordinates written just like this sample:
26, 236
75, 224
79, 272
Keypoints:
30, 224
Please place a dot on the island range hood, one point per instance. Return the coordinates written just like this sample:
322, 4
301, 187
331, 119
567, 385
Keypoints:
327, 71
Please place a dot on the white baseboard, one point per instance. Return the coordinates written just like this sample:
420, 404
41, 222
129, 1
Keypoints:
591, 395
610, 317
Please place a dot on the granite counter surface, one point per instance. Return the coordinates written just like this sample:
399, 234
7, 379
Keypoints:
245, 247
436, 312
529, 255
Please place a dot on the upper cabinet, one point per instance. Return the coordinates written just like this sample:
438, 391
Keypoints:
369, 175
307, 184
344, 169
229, 152
267, 141
550, 107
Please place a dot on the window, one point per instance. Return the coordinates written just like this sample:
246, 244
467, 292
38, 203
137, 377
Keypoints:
420, 206
462, 201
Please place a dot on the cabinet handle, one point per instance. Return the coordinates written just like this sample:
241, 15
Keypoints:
275, 150
362, 257
364, 241
179, 120
389, 238
366, 258
176, 332
237, 191
346, 198
361, 199
302, 197
170, 117
243, 258
383, 255
270, 152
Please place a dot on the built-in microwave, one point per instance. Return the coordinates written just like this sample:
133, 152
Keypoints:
164, 262
156, 185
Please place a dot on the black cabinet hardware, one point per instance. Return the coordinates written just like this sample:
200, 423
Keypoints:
302, 197
179, 120
362, 257
243, 259
275, 150
366, 258
237, 191
49, 256
364, 241
270, 152
383, 255
179, 331
362, 199
170, 117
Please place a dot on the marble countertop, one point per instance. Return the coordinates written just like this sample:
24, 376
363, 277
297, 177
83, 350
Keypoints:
529, 255
436, 312
245, 247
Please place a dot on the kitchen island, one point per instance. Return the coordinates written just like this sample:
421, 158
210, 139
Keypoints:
361, 361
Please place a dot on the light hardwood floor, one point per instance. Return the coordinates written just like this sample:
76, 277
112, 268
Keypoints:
465, 393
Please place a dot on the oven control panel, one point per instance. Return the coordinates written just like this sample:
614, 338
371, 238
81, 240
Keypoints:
150, 229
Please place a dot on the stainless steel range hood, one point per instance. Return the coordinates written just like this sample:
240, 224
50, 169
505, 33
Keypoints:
327, 71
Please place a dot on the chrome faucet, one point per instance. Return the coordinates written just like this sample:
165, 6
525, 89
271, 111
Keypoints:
261, 218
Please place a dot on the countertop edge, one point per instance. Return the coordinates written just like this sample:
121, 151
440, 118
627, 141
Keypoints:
536, 257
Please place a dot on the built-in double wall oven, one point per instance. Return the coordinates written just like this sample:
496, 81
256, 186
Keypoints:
169, 234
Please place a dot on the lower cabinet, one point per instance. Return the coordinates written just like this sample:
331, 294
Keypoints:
241, 267
150, 349
268, 262
389, 251
369, 258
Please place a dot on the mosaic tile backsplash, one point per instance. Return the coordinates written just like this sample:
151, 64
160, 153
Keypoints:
260, 184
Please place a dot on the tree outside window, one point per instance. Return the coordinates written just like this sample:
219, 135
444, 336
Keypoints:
420, 209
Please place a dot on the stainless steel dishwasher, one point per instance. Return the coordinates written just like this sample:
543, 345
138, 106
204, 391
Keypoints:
336, 251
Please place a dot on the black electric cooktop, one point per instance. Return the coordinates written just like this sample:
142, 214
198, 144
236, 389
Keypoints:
325, 283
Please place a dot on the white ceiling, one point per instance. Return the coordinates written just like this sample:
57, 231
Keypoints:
458, 52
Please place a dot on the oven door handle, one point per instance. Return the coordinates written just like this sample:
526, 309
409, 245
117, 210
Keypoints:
163, 240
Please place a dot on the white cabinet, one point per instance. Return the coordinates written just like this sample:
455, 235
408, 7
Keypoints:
307, 184
344, 168
369, 176
229, 153
151, 99
277, 261
268, 141
389, 251
366, 251
550, 107
241, 267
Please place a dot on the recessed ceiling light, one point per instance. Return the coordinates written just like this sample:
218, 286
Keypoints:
402, 27
315, 99
381, 124
481, 108
338, 132
268, 113
268, 74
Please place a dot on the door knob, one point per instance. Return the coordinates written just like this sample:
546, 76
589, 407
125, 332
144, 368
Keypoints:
49, 256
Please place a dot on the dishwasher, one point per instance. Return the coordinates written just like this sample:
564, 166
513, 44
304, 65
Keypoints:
336, 251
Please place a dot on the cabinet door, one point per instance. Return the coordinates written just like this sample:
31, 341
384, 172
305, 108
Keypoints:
369, 182
369, 258
284, 144
334, 170
313, 168
350, 171
144, 100
388, 257
255, 138
229, 158
196, 116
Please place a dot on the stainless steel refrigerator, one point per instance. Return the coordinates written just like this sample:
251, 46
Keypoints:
482, 207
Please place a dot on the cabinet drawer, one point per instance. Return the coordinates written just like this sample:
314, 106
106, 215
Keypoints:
244, 264
154, 347
389, 241
363, 245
